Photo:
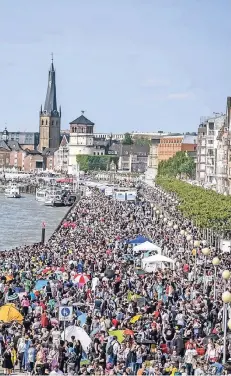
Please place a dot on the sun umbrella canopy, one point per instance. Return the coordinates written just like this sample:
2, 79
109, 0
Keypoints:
128, 332
81, 278
9, 313
79, 334
135, 318
12, 297
40, 284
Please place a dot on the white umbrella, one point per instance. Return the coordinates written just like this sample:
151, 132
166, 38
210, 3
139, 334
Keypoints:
78, 333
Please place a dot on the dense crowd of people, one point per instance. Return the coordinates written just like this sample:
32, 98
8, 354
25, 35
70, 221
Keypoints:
125, 321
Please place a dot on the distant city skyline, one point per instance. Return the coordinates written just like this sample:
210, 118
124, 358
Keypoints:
157, 65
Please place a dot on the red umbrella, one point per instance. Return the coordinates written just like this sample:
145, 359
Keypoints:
59, 268
82, 278
128, 332
46, 270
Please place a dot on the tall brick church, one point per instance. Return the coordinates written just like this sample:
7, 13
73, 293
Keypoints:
50, 117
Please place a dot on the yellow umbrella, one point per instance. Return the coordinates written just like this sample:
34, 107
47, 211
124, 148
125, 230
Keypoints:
117, 333
8, 313
135, 318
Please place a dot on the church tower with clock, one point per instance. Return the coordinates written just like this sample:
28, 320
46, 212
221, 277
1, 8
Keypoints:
50, 117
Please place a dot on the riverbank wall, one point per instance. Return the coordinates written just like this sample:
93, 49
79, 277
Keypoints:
78, 197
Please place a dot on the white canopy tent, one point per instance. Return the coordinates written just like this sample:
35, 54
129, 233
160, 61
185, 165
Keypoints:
147, 246
150, 264
78, 333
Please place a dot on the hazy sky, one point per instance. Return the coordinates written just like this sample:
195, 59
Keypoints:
131, 64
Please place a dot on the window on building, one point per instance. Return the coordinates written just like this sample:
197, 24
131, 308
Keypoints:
52, 123
42, 122
46, 122
57, 122
211, 126
38, 164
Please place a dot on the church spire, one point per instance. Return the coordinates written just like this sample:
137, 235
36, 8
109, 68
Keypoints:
51, 103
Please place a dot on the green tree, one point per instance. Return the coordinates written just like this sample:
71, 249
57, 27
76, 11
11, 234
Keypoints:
95, 162
206, 208
127, 139
180, 164
142, 141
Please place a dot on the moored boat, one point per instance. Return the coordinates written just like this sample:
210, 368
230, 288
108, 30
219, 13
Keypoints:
12, 191
40, 194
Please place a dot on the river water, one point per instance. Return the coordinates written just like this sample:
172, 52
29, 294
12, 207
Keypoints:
21, 220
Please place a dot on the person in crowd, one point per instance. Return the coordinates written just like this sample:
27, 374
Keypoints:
126, 320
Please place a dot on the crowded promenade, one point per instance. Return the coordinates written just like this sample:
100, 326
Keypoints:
125, 320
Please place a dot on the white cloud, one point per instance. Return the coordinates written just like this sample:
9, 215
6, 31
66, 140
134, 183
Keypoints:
181, 95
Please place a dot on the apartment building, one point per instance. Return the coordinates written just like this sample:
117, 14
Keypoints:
209, 150
171, 144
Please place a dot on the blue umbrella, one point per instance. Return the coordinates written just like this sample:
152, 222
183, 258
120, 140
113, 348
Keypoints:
40, 284
19, 289
95, 331
82, 318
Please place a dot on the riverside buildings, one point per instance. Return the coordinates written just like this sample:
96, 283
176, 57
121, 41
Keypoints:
169, 145
214, 152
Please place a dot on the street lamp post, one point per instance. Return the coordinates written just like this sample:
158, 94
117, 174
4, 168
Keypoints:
226, 298
196, 245
152, 210
206, 252
215, 263
188, 238
226, 276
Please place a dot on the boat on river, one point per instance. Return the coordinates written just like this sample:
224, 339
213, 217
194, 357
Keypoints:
41, 194
12, 190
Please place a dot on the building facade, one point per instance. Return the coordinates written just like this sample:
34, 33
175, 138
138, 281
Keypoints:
81, 139
208, 152
11, 153
222, 182
228, 125
33, 161
50, 117
152, 165
171, 144
61, 156
27, 140
132, 158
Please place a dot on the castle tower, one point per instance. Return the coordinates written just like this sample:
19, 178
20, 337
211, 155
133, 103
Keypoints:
50, 117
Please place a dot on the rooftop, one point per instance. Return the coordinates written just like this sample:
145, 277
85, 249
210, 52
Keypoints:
82, 120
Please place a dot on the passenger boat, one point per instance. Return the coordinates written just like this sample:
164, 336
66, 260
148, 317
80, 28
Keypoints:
12, 190
49, 200
40, 194
54, 198
58, 200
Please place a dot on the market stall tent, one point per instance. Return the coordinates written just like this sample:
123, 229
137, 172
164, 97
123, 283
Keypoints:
147, 246
150, 264
140, 239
